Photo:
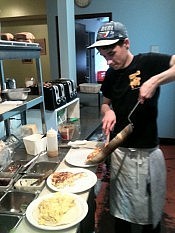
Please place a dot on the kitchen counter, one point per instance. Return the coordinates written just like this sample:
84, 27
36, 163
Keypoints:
24, 225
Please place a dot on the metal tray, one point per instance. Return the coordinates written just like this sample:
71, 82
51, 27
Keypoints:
26, 181
16, 202
17, 93
5, 183
14, 166
9, 222
42, 167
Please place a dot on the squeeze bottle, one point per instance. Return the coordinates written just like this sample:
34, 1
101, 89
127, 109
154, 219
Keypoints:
52, 143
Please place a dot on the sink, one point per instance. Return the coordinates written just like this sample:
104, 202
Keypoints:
42, 167
16, 202
9, 222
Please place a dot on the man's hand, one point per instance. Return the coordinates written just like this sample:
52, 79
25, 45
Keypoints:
108, 121
147, 90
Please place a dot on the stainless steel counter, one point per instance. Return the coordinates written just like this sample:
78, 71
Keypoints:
24, 225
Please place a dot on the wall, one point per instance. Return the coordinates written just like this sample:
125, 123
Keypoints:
148, 23
19, 8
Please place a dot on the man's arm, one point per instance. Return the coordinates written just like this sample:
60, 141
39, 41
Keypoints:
148, 88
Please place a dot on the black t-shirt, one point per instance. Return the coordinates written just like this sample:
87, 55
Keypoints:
122, 88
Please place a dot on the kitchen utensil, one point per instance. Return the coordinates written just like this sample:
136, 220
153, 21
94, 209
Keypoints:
39, 180
100, 154
24, 167
131, 112
107, 139
33, 160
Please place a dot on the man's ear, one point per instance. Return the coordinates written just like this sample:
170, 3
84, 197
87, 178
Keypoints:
126, 43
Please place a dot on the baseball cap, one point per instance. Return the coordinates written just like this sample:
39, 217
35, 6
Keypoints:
110, 33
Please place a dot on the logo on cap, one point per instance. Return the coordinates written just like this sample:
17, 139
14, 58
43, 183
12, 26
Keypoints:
105, 35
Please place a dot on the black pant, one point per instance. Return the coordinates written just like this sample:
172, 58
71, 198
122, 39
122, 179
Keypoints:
87, 225
122, 226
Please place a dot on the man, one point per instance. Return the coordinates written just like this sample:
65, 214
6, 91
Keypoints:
138, 172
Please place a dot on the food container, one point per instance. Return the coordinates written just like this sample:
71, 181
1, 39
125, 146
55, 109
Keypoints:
35, 144
16, 202
9, 222
66, 131
42, 167
90, 87
13, 168
6, 174
26, 183
6, 182
16, 94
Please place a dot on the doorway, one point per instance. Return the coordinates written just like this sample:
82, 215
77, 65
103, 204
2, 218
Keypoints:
88, 62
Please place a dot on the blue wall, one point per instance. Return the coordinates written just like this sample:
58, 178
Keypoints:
149, 22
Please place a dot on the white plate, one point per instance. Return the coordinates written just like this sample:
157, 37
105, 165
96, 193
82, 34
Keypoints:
80, 185
81, 212
77, 157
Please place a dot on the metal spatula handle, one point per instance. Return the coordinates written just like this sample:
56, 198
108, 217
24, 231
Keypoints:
134, 108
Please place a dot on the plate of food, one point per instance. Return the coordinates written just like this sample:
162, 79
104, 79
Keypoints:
74, 180
78, 158
56, 211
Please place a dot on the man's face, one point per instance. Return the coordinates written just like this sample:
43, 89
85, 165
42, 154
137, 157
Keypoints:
116, 57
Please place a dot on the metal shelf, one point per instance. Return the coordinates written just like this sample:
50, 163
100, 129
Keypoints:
18, 50
21, 50
9, 110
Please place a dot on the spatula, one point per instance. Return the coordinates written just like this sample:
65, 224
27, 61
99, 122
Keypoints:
99, 155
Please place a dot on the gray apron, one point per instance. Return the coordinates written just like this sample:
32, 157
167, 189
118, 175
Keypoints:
138, 185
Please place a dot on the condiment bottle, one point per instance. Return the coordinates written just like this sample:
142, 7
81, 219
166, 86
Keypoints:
52, 143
